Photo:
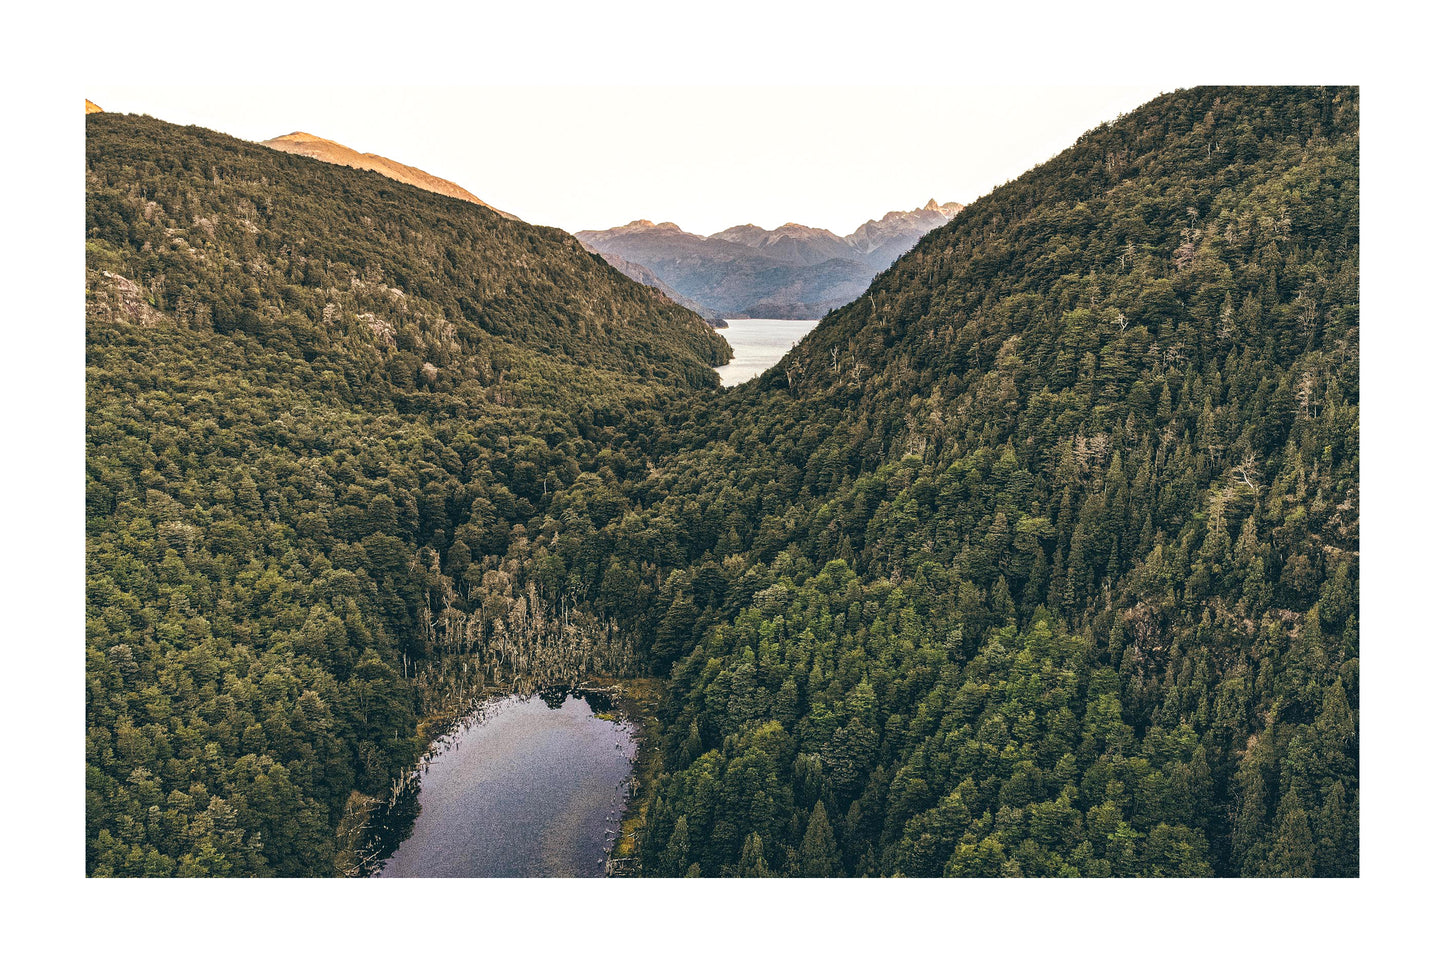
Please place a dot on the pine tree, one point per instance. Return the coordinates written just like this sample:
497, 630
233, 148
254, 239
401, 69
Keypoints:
819, 853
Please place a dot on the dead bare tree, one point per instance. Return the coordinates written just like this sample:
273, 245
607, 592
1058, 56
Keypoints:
1226, 322
1245, 472
794, 371
1305, 395
1308, 308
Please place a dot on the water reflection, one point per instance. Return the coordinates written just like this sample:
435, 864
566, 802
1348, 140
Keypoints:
526, 786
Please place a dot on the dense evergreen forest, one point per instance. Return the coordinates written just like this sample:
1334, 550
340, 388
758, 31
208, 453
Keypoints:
327, 418
1041, 558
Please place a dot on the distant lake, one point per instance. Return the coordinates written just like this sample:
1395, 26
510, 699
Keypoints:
758, 344
525, 787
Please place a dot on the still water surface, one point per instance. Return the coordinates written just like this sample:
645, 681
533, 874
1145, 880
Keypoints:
527, 787
758, 344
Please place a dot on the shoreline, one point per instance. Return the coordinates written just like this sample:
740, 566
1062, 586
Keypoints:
371, 828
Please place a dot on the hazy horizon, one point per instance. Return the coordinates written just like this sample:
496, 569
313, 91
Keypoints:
705, 158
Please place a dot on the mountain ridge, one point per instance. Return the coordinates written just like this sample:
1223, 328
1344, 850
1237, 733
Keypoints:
791, 271
1039, 558
349, 384
1050, 542
329, 151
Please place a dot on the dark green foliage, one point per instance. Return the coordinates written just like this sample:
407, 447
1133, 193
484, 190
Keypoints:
327, 415
1039, 559
1046, 549
338, 268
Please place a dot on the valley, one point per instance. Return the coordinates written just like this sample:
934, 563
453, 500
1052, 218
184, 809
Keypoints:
1018, 538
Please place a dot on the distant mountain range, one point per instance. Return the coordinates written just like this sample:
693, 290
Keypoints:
793, 271
319, 148
645, 276
1040, 559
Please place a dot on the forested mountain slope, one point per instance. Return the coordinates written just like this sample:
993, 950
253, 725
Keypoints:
330, 152
321, 408
1042, 556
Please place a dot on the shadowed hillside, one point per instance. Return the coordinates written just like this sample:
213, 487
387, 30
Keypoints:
1040, 558
327, 414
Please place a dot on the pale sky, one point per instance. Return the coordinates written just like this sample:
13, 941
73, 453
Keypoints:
705, 157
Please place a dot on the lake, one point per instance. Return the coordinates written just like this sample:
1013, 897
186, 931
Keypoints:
758, 344
526, 786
